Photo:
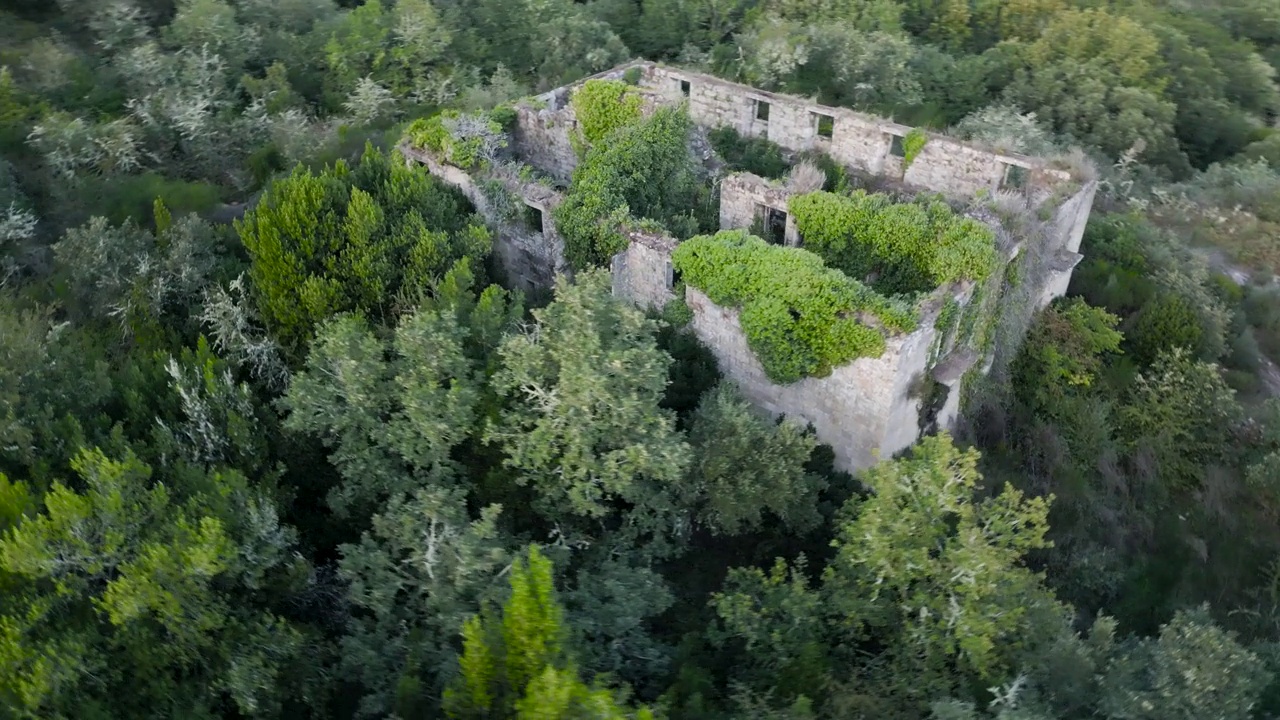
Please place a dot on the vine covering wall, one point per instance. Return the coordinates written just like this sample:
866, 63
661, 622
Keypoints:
801, 318
603, 106
644, 171
906, 247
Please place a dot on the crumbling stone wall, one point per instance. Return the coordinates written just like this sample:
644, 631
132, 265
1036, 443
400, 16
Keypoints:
643, 274
861, 141
531, 254
1066, 231
746, 198
541, 135
545, 123
871, 407
865, 409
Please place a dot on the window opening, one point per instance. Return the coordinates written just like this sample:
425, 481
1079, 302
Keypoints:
825, 124
533, 217
762, 110
684, 87
896, 147
774, 224
1015, 177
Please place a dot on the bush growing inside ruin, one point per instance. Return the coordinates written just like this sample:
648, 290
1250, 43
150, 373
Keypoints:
906, 247
801, 318
603, 106
643, 171
754, 155
461, 139
912, 144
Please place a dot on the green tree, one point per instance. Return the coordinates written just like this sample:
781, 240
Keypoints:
926, 572
1064, 354
395, 412
517, 665
747, 468
422, 570
136, 596
1181, 411
582, 425
1165, 323
943, 572
644, 170
1193, 669
368, 238
1095, 77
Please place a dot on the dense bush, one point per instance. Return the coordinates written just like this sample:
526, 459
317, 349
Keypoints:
899, 247
643, 170
801, 318
603, 106
360, 237
460, 139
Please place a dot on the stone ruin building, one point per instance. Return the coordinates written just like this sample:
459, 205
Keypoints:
871, 407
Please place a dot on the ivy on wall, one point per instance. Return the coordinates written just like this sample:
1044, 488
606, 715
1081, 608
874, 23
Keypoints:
801, 318
603, 106
644, 170
906, 247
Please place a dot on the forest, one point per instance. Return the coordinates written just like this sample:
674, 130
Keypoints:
277, 440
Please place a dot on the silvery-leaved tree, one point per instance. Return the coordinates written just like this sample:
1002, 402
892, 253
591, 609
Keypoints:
395, 412
581, 424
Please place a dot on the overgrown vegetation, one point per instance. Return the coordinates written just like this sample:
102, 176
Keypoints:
800, 317
464, 140
325, 471
753, 155
900, 248
603, 106
642, 170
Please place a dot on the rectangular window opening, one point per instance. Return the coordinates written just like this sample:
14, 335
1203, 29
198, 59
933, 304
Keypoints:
1015, 178
533, 217
762, 110
676, 276
773, 224
896, 148
684, 87
825, 124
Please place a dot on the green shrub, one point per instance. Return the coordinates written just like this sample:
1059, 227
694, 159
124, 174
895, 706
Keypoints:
644, 171
753, 155
505, 116
465, 150
912, 144
909, 247
800, 317
120, 198
369, 237
603, 106
1165, 323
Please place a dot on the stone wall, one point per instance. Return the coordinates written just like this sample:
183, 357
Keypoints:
544, 125
530, 251
744, 198
864, 409
861, 141
642, 274
541, 136
1066, 231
